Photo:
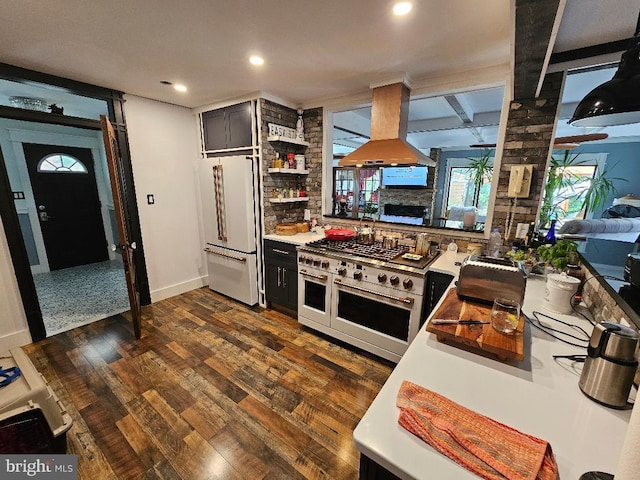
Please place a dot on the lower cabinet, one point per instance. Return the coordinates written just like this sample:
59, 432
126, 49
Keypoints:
437, 285
281, 270
370, 470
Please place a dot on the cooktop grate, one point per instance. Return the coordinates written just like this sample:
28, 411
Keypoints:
375, 250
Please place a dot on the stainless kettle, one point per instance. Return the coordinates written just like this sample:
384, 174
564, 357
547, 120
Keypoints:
610, 365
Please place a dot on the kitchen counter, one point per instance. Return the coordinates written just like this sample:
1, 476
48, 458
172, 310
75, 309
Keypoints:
297, 239
539, 396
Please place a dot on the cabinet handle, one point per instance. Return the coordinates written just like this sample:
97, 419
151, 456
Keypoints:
283, 252
284, 278
279, 281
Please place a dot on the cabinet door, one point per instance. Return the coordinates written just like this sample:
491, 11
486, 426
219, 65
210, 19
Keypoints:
214, 130
291, 285
274, 291
437, 285
238, 118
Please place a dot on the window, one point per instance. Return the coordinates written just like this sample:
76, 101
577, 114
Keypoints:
61, 163
569, 178
468, 188
355, 191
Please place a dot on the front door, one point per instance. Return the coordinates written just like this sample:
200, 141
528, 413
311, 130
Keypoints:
66, 194
127, 245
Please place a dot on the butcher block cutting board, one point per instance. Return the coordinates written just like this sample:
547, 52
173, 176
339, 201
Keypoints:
482, 338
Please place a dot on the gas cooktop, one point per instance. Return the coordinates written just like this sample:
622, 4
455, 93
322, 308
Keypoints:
374, 251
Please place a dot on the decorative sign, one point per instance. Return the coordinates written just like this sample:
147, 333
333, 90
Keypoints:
281, 131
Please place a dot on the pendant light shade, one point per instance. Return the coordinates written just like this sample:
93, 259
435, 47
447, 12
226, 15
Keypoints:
616, 102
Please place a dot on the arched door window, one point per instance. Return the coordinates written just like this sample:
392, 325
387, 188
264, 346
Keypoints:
61, 163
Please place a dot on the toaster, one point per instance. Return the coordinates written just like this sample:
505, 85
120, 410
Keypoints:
487, 278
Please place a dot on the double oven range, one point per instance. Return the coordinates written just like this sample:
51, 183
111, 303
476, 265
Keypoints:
365, 295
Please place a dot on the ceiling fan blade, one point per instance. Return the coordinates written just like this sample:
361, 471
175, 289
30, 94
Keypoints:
589, 137
483, 145
564, 146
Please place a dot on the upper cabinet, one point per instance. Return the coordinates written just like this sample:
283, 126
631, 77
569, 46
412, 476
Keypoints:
228, 127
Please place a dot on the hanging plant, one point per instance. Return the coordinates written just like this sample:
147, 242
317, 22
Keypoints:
481, 168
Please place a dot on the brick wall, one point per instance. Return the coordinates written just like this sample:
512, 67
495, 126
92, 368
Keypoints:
530, 127
275, 213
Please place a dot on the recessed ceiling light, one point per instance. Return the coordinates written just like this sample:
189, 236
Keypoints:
180, 88
256, 60
402, 8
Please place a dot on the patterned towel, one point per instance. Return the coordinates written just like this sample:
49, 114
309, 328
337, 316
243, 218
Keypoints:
487, 448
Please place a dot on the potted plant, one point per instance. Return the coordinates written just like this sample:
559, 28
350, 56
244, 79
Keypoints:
480, 171
563, 185
558, 255
526, 258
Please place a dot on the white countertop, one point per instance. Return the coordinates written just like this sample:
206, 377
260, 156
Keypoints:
297, 239
539, 396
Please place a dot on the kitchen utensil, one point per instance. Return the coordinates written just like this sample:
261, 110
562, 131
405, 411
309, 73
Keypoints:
422, 243
302, 227
474, 249
366, 234
389, 242
487, 278
505, 315
339, 234
286, 229
610, 365
483, 338
559, 290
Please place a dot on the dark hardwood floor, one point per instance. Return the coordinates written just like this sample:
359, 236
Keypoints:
213, 389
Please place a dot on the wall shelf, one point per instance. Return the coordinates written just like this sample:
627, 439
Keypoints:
290, 171
294, 141
289, 200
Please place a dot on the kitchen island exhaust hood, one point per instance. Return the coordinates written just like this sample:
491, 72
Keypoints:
389, 120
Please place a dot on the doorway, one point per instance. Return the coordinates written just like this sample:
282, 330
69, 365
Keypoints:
65, 191
83, 104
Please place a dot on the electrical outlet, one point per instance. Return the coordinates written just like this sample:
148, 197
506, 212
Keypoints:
150, 199
18, 195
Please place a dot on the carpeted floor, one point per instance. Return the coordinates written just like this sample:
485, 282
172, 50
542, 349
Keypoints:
76, 296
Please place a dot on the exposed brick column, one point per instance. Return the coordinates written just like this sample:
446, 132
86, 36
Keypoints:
528, 140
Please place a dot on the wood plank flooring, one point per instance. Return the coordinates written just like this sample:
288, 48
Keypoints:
213, 389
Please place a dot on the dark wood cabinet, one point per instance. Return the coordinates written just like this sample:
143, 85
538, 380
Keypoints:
281, 274
228, 127
437, 285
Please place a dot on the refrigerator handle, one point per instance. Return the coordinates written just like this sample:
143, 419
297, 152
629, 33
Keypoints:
218, 188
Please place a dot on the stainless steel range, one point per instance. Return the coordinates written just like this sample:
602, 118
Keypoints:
365, 295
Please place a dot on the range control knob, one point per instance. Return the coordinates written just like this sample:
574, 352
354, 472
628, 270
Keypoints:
302, 258
342, 271
394, 280
316, 262
357, 275
325, 264
308, 260
407, 283
382, 277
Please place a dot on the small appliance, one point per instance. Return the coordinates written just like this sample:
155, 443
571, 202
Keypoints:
487, 278
610, 365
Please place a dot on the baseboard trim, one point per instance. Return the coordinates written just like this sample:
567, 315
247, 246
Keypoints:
178, 288
15, 340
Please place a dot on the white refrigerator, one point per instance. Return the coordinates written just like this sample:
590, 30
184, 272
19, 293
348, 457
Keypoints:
228, 195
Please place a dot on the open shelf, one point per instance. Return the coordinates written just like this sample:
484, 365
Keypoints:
289, 200
294, 141
291, 171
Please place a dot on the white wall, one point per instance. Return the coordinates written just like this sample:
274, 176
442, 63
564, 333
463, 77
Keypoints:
14, 331
164, 151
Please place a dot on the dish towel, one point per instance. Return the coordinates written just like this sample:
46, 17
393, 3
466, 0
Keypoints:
487, 448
